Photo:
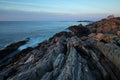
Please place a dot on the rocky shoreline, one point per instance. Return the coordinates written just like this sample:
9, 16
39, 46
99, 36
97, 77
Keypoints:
90, 52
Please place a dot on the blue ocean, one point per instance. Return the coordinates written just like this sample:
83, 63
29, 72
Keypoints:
37, 31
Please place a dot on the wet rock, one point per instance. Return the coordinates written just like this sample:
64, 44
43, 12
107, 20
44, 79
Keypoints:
10, 61
11, 48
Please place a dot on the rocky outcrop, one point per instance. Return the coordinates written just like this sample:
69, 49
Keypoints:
11, 48
76, 55
111, 51
79, 30
106, 37
111, 26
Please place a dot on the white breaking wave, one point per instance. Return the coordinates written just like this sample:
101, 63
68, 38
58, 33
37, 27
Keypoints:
33, 42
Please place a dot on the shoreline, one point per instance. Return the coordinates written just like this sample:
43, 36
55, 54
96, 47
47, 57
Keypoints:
33, 30
94, 48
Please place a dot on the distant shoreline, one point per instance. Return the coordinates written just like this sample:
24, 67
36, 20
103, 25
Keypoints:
85, 21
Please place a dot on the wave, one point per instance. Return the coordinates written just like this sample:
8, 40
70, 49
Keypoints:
33, 42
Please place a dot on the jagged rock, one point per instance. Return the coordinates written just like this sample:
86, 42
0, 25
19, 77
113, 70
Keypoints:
70, 69
106, 26
39, 70
79, 30
111, 51
106, 37
47, 76
59, 61
11, 48
29, 59
109, 38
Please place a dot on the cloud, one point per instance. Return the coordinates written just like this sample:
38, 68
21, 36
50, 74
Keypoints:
30, 4
13, 15
26, 6
57, 7
18, 3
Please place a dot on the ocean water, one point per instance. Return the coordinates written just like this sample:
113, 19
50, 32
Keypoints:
37, 31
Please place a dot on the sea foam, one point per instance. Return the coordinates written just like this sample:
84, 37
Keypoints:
33, 42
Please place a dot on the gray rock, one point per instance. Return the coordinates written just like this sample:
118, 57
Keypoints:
112, 52
59, 61
47, 76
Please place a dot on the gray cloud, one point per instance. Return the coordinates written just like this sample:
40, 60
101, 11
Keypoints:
13, 15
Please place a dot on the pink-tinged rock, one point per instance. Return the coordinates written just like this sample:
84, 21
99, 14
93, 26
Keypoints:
100, 36
109, 38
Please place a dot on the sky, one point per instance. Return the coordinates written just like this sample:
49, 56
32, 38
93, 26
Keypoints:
57, 10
